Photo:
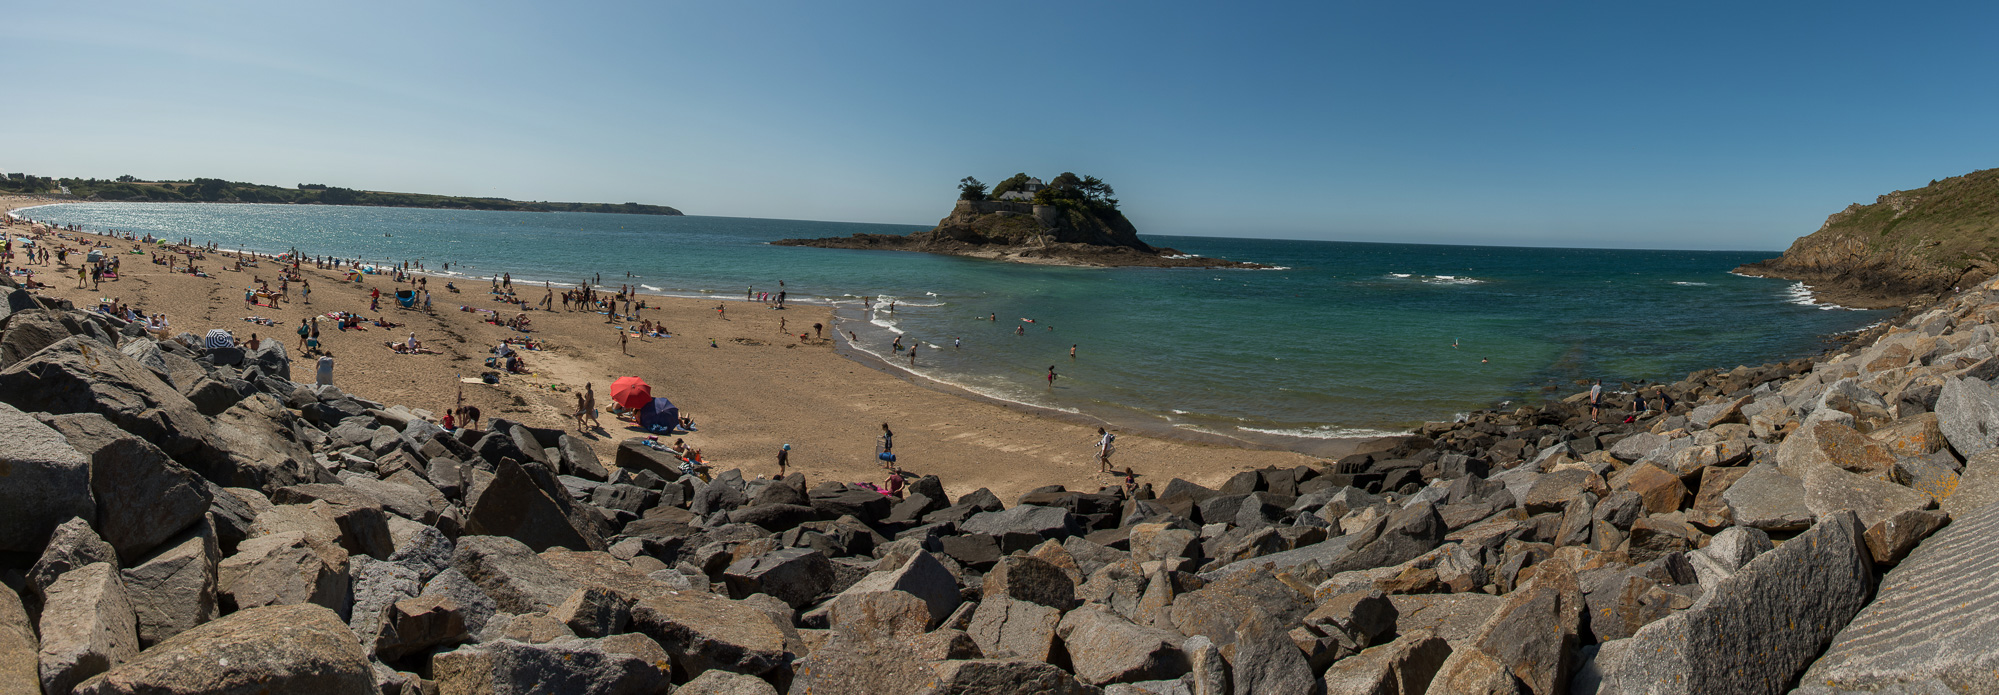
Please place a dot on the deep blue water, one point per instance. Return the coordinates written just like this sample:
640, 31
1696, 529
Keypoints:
1347, 338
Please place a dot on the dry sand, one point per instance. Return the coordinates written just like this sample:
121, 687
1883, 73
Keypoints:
758, 389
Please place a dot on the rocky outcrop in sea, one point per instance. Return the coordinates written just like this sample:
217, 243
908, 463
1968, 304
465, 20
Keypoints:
186, 520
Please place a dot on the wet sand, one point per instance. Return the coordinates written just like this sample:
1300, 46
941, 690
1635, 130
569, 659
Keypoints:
756, 390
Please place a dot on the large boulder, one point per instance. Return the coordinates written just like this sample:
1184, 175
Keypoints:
1030, 579
1767, 499
1391, 540
1106, 648
1968, 413
78, 375
1025, 519
1828, 490
703, 631
302, 649
1402, 667
1004, 627
1756, 631
20, 660
518, 580
921, 576
74, 544
1217, 610
413, 625
43, 482
27, 332
525, 502
1531, 638
1933, 628
726, 683
87, 627
795, 576
176, 588
264, 451
143, 496
621, 665
284, 569
1004, 677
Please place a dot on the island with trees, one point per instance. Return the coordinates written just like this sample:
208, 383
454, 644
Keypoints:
130, 188
1070, 220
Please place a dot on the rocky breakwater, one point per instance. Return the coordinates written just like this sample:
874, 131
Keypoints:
1908, 248
180, 520
1073, 234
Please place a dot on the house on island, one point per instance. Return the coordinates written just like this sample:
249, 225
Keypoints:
1025, 192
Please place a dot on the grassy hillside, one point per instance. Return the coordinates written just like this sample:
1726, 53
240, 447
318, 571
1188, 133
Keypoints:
126, 188
1908, 246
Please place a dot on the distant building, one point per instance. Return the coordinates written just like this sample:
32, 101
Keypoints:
1025, 192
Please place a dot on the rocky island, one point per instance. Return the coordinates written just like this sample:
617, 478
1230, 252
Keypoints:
1073, 220
1909, 248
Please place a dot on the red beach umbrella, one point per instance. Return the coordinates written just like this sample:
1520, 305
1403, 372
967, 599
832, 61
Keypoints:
630, 392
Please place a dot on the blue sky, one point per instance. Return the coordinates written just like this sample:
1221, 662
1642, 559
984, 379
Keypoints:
1678, 125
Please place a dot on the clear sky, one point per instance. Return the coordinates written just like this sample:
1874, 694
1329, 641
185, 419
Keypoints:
1662, 125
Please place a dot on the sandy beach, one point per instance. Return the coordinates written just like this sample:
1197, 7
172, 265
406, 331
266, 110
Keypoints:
755, 390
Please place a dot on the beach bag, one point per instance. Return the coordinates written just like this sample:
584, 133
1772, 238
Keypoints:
886, 456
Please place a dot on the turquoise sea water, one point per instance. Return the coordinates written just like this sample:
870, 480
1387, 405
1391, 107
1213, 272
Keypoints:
1345, 339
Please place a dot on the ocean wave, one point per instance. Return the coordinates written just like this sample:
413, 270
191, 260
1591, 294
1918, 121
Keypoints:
1398, 275
1801, 294
1277, 267
1452, 280
650, 287
1690, 284
886, 323
1321, 432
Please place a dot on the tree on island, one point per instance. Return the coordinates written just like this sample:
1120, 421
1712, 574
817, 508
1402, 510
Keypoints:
1012, 183
1072, 190
970, 189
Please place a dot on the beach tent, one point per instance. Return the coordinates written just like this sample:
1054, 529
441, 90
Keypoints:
94, 256
659, 412
407, 298
218, 338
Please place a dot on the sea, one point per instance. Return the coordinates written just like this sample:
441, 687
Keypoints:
1338, 340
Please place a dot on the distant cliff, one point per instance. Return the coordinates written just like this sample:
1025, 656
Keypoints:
1908, 247
1059, 234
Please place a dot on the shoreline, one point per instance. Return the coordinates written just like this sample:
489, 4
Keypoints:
1139, 421
756, 389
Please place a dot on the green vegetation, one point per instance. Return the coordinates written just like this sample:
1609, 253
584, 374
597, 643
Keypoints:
129, 188
1070, 191
970, 189
1949, 221
1012, 183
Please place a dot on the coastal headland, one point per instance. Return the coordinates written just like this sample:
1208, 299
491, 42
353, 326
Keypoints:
1908, 248
1072, 221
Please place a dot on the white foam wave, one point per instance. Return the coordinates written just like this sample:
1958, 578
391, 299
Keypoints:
1321, 432
1689, 284
650, 287
1398, 275
1801, 294
886, 323
1452, 280
1277, 267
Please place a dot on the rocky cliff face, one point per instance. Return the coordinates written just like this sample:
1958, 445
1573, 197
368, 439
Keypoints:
1906, 248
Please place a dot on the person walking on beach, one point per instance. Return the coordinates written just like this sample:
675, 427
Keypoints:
1105, 443
1595, 398
722, 311
590, 406
580, 419
304, 331
783, 458
887, 439
624, 341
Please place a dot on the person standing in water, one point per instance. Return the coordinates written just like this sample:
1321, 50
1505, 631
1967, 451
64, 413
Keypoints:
1072, 351
1051, 376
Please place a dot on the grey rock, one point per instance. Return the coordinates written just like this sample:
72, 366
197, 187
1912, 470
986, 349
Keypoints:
610, 666
922, 576
279, 649
74, 544
1002, 677
427, 552
1968, 413
20, 660
48, 482
593, 612
143, 496
1106, 648
87, 627
1263, 659
1220, 608
1030, 579
704, 631
518, 580
1391, 540
726, 683
1767, 499
1402, 667
1004, 627
63, 379
1829, 489
284, 569
1046, 522
1977, 485
175, 589
525, 502
1754, 632
375, 586
473, 603
1934, 627
796, 576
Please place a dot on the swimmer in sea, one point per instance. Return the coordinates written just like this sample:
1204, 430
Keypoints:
992, 317
1051, 376
1072, 352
